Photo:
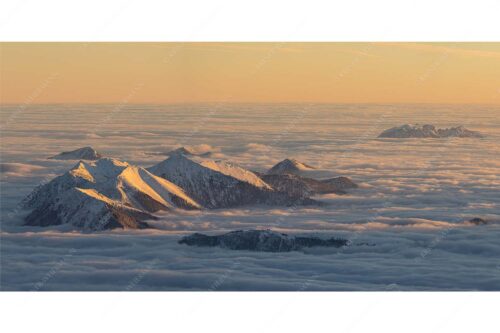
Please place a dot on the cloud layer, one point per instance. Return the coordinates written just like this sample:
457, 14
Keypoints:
408, 219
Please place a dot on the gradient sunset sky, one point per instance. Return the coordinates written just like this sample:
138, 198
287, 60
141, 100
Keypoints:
39, 73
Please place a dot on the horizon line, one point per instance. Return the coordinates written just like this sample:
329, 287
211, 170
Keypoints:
244, 102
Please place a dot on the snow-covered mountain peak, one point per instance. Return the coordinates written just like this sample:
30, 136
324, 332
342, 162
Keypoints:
192, 164
100, 170
175, 163
109, 192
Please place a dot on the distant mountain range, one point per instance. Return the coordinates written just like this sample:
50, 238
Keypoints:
428, 131
109, 193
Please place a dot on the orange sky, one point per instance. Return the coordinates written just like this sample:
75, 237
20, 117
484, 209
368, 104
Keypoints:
250, 72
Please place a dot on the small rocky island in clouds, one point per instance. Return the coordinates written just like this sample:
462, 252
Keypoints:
428, 131
260, 240
108, 193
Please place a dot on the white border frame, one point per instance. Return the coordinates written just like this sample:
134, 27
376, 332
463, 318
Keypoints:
256, 20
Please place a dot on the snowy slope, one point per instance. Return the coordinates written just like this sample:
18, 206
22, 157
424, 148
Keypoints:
106, 193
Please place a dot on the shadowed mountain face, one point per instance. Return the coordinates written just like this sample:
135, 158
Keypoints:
428, 131
102, 195
298, 186
260, 240
219, 184
287, 177
85, 153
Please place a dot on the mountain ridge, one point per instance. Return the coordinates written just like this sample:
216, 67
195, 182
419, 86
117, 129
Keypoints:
220, 184
109, 193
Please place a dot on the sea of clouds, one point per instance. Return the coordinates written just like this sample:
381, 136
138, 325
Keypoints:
407, 221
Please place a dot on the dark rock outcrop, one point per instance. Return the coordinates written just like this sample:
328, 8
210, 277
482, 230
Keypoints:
260, 240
